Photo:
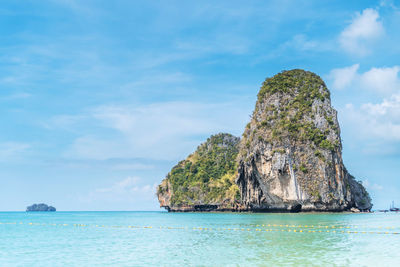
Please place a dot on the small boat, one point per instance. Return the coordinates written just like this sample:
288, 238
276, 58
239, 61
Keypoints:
393, 208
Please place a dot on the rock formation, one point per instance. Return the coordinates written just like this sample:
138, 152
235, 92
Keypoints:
204, 181
289, 159
291, 152
40, 207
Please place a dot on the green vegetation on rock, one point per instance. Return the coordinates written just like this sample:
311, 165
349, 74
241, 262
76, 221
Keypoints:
297, 90
306, 83
208, 175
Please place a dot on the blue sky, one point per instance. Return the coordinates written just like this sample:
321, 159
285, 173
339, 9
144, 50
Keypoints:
99, 99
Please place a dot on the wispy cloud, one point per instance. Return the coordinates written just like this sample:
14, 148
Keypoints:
303, 43
127, 185
371, 186
64, 122
16, 96
115, 164
165, 130
12, 150
130, 189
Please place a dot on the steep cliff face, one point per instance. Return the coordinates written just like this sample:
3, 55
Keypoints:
204, 181
290, 155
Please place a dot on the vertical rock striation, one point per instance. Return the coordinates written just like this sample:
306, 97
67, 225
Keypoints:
290, 155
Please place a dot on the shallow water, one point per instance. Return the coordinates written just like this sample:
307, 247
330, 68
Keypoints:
198, 239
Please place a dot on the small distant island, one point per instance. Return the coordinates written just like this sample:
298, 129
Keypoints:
40, 207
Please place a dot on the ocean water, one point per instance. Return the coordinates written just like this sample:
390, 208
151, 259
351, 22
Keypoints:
198, 239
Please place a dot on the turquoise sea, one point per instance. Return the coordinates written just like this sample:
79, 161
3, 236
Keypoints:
198, 239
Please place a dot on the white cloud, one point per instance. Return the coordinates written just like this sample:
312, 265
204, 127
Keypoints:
384, 81
64, 122
167, 130
363, 30
376, 121
11, 150
389, 108
171, 117
343, 77
384, 118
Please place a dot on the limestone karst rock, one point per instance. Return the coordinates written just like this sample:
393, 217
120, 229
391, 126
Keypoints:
205, 180
291, 153
289, 159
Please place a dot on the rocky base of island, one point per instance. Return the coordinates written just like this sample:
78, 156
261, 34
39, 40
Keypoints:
294, 208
